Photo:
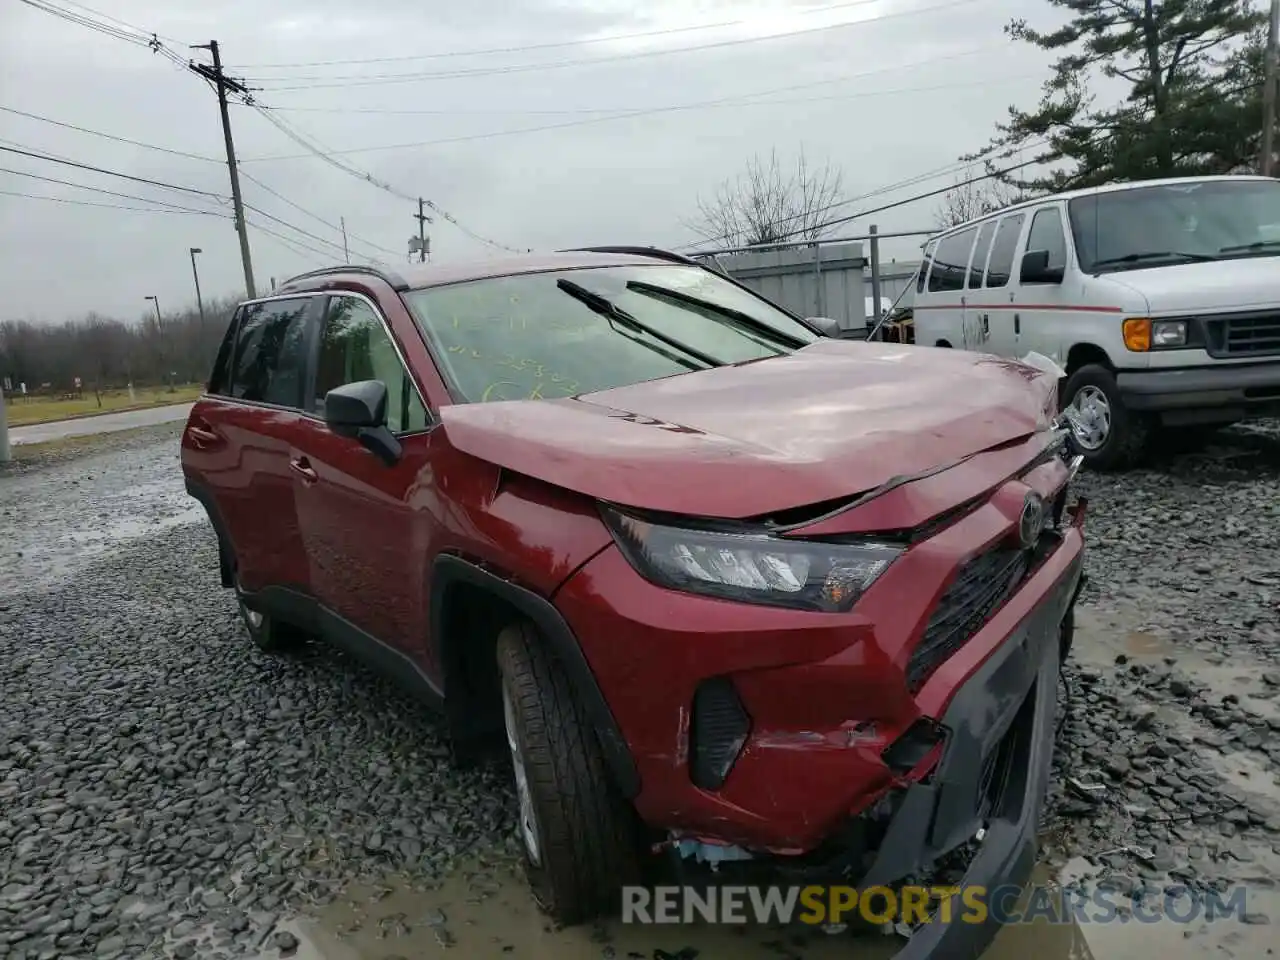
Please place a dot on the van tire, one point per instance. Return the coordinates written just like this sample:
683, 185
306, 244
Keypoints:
588, 836
1130, 432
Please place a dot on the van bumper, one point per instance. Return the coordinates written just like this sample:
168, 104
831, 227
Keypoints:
1218, 394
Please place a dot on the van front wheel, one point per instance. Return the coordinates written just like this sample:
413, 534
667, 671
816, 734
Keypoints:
1109, 436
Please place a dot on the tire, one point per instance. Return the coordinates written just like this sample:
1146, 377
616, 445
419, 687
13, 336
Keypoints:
267, 633
1126, 435
580, 837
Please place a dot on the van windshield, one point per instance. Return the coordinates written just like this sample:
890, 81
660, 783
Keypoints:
558, 334
1171, 224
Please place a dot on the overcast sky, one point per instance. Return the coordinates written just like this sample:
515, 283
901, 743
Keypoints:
890, 89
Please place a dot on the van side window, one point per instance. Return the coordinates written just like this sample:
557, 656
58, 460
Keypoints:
985, 236
220, 379
355, 346
951, 261
924, 266
270, 354
1046, 234
1002, 250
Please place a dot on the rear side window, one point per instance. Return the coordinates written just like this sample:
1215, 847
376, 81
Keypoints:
220, 380
924, 266
951, 261
270, 355
355, 346
985, 236
1002, 250
1046, 234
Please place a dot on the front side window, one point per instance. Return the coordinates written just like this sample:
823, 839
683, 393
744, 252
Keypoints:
1046, 234
1171, 224
951, 261
562, 333
354, 346
270, 352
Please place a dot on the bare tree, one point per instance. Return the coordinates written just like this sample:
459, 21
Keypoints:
968, 201
765, 204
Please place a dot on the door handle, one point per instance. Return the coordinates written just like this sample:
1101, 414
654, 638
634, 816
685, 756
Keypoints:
1017, 323
303, 469
986, 324
201, 434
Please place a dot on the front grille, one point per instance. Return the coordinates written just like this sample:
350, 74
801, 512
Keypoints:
978, 591
1243, 334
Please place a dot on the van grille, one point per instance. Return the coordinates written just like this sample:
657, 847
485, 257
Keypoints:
979, 590
1243, 334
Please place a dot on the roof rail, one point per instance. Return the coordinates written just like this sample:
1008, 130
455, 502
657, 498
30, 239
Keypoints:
656, 252
396, 282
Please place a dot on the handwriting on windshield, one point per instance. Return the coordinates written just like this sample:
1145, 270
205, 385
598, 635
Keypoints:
548, 381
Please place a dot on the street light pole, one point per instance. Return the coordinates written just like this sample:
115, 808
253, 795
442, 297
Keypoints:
196, 276
160, 332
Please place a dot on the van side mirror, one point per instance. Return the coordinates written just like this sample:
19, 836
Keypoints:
1035, 268
825, 325
359, 410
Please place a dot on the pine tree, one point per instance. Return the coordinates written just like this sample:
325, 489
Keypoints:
1194, 72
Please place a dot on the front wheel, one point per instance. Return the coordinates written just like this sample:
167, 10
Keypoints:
1106, 433
580, 837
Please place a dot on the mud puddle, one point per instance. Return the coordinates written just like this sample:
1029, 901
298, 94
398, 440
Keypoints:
487, 912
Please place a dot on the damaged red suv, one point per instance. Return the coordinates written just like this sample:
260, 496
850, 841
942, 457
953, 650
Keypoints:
720, 584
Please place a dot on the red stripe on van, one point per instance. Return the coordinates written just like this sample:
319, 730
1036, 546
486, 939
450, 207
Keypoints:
1021, 306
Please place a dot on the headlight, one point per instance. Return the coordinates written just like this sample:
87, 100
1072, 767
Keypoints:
1169, 333
751, 568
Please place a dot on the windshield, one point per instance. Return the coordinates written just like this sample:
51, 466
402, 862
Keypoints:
531, 337
1171, 224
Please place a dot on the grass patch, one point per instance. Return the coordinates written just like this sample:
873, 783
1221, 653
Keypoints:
24, 411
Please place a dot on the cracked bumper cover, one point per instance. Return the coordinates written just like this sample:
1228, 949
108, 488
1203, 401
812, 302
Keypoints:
1008, 703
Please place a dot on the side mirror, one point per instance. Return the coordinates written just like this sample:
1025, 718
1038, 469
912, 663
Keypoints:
1035, 268
359, 410
825, 325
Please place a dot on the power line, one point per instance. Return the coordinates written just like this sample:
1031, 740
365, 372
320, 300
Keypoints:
109, 136
314, 216
295, 246
83, 21
296, 229
558, 44
362, 80
110, 206
109, 193
117, 20
674, 108
113, 173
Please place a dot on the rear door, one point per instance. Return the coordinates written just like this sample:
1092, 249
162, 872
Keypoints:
998, 290
368, 526
941, 311
978, 315
238, 438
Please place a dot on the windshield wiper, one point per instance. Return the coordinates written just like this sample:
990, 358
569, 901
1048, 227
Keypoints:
1155, 255
607, 308
737, 316
1256, 245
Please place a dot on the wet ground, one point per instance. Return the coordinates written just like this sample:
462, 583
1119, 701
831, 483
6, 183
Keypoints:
167, 791
91, 426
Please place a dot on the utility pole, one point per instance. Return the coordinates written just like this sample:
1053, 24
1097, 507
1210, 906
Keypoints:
423, 220
222, 84
1269, 93
345, 252
196, 276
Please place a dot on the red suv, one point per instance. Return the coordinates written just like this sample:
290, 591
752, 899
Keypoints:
723, 585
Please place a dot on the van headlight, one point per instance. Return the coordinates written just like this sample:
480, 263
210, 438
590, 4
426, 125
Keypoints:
751, 568
1169, 333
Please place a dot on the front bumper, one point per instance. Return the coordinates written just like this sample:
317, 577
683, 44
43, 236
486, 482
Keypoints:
1005, 711
1220, 392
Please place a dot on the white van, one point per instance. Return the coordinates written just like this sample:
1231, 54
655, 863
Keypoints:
1160, 299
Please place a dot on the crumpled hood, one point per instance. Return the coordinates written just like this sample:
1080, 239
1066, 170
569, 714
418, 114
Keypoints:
830, 421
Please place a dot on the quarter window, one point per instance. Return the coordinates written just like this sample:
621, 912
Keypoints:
1046, 234
220, 379
985, 236
355, 346
270, 352
1003, 248
951, 261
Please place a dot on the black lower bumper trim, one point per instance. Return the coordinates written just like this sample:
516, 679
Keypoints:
1004, 713
1231, 391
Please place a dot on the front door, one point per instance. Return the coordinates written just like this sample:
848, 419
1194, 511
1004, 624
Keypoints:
368, 526
1044, 309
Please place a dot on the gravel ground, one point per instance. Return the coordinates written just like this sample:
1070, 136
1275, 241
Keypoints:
166, 790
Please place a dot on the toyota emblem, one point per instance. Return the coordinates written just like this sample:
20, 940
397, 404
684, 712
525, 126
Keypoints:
1031, 523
